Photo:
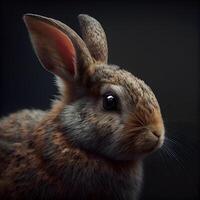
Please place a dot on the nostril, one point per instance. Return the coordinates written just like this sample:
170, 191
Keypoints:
156, 133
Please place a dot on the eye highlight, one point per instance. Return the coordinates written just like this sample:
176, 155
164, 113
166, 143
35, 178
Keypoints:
110, 102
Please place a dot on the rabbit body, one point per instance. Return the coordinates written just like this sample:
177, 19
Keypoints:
91, 143
37, 162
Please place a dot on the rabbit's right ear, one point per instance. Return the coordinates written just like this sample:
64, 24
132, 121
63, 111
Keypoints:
59, 49
95, 38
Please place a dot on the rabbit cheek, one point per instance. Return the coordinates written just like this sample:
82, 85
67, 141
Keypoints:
143, 133
136, 144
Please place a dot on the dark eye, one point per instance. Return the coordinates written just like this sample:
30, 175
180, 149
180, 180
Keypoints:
110, 102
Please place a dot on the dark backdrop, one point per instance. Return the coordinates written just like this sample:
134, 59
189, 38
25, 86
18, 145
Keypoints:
157, 42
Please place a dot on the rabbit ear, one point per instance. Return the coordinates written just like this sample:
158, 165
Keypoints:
59, 49
94, 37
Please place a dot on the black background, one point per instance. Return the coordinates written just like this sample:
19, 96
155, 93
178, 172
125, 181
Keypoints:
157, 42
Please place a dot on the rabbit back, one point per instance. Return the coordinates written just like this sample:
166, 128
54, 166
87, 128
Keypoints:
16, 128
15, 142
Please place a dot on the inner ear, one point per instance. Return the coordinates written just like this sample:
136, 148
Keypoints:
53, 48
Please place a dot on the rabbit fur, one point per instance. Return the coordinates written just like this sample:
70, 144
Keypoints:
78, 149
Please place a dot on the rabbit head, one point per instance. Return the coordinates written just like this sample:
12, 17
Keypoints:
106, 110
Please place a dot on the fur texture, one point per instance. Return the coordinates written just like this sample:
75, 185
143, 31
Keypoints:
78, 149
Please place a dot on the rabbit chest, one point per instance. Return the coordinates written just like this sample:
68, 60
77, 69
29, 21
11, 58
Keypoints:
44, 165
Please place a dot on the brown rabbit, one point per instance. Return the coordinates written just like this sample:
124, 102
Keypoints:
91, 143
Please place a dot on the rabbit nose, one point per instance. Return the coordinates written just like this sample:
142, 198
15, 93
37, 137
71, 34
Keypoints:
160, 134
156, 133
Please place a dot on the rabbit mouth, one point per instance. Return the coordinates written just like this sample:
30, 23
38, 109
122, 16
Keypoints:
158, 144
138, 144
153, 143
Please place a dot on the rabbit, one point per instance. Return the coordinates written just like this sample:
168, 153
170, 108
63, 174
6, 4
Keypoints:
91, 144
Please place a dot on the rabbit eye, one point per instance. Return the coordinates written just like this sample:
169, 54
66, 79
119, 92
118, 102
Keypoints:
110, 102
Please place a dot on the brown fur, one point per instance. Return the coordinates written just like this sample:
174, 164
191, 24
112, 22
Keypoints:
78, 149
30, 165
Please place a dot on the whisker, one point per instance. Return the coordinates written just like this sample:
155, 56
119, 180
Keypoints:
185, 150
163, 158
173, 149
173, 156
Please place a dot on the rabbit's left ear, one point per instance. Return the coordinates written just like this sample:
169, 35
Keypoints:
94, 37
